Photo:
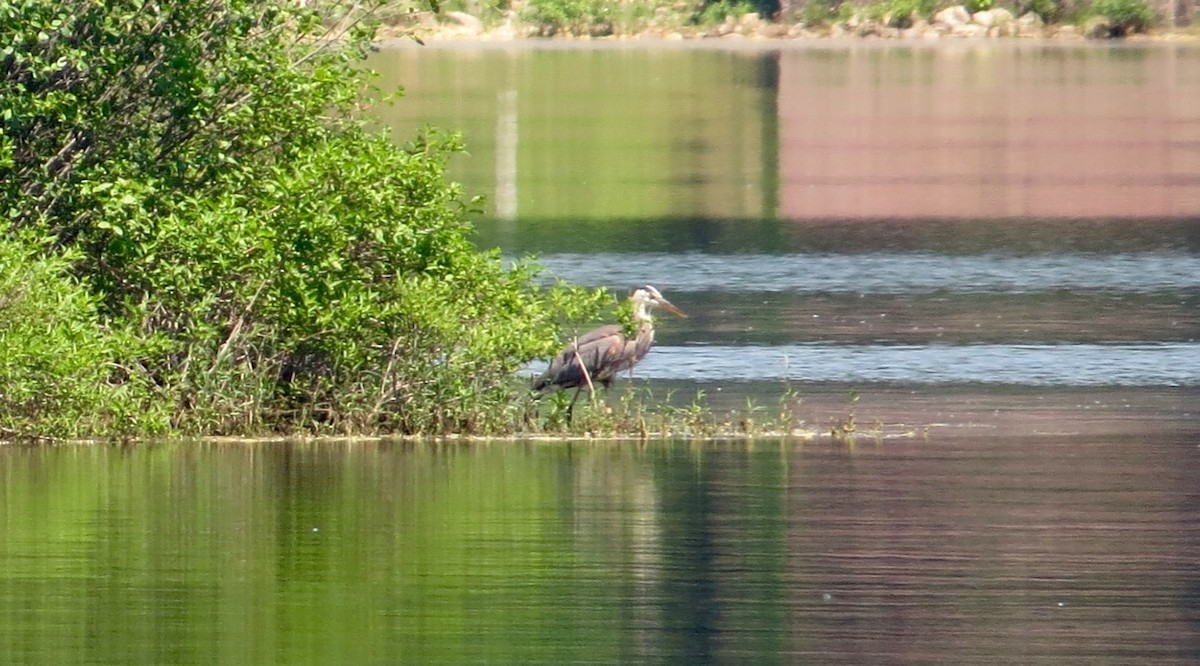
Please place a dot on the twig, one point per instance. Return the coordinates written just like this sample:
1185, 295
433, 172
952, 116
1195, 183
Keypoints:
239, 320
385, 393
587, 377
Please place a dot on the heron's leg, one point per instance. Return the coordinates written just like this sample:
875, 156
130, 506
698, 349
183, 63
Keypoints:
571, 409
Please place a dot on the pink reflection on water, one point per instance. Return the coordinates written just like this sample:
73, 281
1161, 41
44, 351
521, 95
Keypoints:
956, 133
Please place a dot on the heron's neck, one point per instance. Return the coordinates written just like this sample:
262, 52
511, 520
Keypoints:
641, 314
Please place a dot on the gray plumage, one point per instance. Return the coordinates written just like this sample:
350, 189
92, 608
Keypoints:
606, 351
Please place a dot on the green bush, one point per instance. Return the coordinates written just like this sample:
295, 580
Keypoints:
1126, 16
898, 13
575, 17
62, 373
713, 13
979, 5
282, 267
1050, 11
823, 12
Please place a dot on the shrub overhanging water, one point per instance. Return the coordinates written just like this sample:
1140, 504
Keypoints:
211, 242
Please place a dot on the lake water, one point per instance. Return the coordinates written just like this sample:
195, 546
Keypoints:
995, 248
949, 550
969, 216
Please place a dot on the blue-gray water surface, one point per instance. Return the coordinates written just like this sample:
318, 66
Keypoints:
1003, 214
1156, 350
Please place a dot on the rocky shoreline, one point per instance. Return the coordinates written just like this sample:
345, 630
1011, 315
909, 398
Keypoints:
953, 22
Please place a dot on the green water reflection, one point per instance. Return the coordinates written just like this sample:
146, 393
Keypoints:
366, 554
615, 133
598, 553
996, 130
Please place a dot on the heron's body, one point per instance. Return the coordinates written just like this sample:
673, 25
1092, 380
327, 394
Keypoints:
600, 355
604, 353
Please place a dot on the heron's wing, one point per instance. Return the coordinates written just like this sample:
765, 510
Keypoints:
598, 350
594, 335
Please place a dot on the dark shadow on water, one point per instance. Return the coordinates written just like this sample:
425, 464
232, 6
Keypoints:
1015, 237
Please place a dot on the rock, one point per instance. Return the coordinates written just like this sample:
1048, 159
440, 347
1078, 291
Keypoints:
969, 30
750, 21
916, 30
506, 32
868, 28
1029, 25
602, 29
1068, 32
1001, 22
425, 19
774, 30
985, 18
469, 24
952, 16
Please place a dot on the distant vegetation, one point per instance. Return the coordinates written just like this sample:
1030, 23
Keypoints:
200, 236
599, 18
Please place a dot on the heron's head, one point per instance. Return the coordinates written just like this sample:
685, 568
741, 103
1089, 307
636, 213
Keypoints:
647, 297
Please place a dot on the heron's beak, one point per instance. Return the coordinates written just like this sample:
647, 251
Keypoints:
669, 307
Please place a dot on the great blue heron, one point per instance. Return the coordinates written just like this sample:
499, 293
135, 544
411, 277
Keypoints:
598, 356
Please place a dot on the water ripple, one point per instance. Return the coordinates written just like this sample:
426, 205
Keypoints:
1030, 365
884, 273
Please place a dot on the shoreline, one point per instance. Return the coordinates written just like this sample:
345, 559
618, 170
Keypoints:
460, 29
401, 41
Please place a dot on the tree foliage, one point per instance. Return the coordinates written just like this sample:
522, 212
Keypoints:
59, 372
578, 17
278, 265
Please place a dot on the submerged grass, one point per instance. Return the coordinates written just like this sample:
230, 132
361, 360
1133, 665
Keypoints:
635, 412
